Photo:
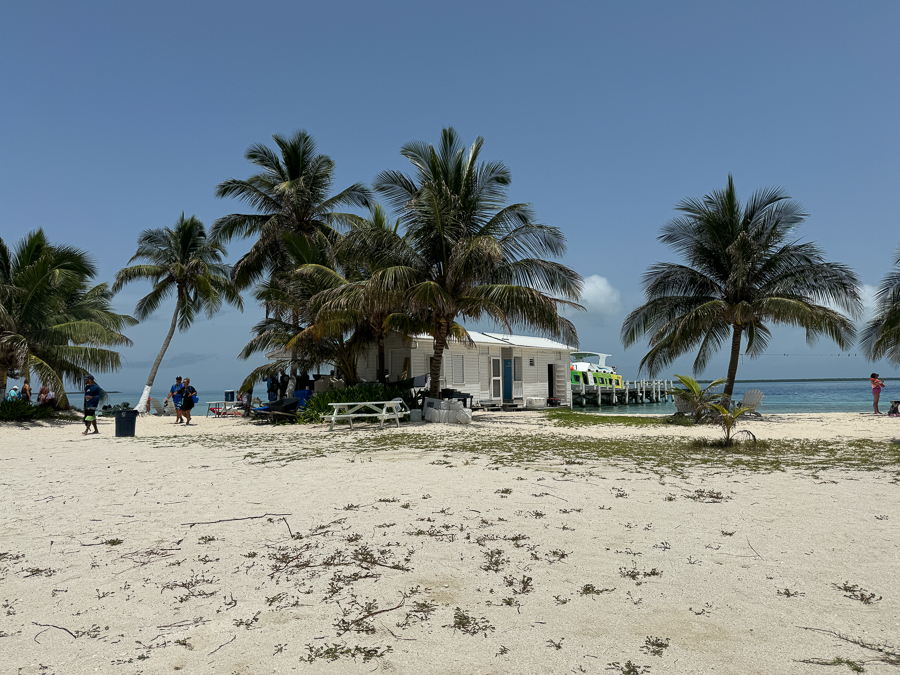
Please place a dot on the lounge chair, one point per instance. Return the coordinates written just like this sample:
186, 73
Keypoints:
751, 400
682, 407
285, 407
158, 408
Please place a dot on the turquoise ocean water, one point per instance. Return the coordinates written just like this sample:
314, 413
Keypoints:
793, 396
790, 396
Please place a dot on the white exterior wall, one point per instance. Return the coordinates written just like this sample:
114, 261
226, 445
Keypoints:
394, 350
476, 366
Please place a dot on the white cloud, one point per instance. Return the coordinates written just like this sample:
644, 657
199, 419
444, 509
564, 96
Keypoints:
600, 296
868, 297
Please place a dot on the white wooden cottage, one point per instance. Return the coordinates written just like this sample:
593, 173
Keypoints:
511, 370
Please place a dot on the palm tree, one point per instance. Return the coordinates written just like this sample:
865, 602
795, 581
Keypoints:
299, 343
743, 271
881, 335
52, 321
356, 303
290, 194
466, 254
179, 260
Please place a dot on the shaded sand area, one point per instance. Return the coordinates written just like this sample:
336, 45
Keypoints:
514, 545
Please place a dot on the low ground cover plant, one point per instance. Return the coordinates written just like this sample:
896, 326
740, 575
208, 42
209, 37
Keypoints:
21, 411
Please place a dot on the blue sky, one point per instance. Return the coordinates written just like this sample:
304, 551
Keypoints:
116, 117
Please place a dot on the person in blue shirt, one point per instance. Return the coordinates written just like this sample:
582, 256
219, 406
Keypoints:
175, 395
13, 394
92, 396
188, 394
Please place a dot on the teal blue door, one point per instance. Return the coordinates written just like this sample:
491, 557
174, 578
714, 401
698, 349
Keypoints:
507, 379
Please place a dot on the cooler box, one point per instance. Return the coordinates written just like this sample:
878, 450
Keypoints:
302, 396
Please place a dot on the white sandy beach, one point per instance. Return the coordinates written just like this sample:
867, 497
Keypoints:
509, 546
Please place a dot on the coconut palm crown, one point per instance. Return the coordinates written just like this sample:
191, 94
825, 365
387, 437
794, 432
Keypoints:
183, 262
743, 271
880, 338
290, 194
53, 323
466, 253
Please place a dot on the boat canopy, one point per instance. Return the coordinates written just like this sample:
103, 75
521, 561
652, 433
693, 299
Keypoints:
581, 356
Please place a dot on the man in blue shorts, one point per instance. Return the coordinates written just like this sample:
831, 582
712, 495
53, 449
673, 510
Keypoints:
92, 396
175, 395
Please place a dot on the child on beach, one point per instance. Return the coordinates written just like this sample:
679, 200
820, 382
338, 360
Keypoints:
877, 386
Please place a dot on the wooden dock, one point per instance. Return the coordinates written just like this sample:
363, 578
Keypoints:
631, 392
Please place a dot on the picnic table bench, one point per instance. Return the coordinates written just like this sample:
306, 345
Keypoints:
381, 410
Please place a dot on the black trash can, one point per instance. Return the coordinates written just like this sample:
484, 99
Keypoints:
125, 422
229, 396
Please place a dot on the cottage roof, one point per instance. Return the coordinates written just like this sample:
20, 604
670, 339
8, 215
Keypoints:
505, 340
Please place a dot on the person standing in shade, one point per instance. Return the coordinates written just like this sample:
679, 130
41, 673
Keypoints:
26, 391
283, 383
42, 394
175, 395
187, 400
92, 396
877, 386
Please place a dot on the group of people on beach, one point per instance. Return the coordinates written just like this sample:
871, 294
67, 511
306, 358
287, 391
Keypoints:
45, 394
183, 396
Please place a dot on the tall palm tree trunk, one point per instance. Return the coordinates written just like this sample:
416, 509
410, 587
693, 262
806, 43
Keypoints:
733, 364
295, 324
145, 396
440, 343
382, 371
3, 377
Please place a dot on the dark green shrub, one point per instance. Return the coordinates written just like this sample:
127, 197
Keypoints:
19, 411
317, 406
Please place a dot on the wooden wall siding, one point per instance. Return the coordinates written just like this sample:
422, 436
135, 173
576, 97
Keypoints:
476, 366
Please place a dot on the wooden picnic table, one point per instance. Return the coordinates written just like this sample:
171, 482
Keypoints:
381, 410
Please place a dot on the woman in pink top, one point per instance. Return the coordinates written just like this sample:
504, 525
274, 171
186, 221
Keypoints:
877, 386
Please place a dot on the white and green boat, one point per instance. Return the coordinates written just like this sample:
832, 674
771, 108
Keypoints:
592, 380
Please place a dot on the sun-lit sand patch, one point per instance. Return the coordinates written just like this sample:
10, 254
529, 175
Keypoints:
511, 545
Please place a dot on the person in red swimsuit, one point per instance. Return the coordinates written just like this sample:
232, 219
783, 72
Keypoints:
877, 386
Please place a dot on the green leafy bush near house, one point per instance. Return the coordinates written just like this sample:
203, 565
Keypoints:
21, 411
317, 406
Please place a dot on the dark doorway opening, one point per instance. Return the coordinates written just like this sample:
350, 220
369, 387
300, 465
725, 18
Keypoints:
551, 382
